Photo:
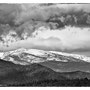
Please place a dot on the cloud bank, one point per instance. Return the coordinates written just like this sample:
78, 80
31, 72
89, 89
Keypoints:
60, 27
70, 39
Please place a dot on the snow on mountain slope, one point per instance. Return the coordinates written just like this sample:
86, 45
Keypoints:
28, 56
82, 57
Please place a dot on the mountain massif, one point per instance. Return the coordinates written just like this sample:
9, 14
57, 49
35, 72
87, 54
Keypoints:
46, 68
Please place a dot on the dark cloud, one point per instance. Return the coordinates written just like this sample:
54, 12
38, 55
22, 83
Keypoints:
8, 13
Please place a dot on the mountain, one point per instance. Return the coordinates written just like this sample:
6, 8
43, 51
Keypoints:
57, 61
17, 75
28, 56
11, 73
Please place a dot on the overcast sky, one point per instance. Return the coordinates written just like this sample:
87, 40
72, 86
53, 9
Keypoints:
68, 39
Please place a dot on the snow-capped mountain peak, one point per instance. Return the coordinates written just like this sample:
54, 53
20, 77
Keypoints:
27, 56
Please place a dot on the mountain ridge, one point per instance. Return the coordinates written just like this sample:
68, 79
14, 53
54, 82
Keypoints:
27, 56
12, 74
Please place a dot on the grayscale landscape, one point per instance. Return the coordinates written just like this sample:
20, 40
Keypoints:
46, 44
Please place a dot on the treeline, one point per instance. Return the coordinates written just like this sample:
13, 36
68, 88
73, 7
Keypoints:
65, 83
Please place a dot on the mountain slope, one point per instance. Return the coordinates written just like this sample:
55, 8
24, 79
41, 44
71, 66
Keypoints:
12, 74
67, 66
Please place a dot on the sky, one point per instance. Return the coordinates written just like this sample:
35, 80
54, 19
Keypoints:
27, 26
